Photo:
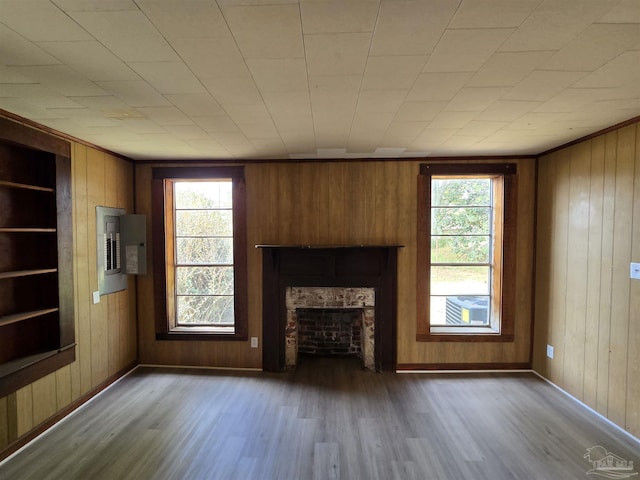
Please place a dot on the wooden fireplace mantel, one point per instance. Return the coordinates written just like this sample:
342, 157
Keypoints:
346, 266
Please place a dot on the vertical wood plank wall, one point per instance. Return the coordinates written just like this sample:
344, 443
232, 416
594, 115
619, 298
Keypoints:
587, 308
342, 203
106, 334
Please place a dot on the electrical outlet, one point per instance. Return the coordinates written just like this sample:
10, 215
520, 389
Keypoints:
549, 351
635, 271
96, 297
254, 342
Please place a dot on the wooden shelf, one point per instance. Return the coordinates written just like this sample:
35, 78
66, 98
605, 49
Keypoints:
24, 186
27, 273
23, 362
19, 317
26, 230
36, 258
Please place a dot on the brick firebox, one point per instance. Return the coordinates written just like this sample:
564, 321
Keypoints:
325, 298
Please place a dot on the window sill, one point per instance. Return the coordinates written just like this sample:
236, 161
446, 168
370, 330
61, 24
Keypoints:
463, 337
203, 329
462, 330
202, 333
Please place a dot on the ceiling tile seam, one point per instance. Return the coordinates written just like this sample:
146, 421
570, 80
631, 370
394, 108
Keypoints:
33, 43
373, 33
186, 65
306, 71
66, 14
451, 18
260, 93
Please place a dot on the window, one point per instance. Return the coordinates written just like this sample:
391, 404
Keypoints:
466, 252
199, 214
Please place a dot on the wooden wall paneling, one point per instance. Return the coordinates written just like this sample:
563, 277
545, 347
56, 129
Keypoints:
289, 211
594, 256
12, 416
98, 312
576, 282
380, 201
633, 369
328, 198
125, 314
144, 287
44, 398
24, 410
333, 202
148, 349
74, 368
82, 261
606, 272
407, 213
525, 265
63, 387
546, 176
278, 227
256, 209
360, 194
310, 209
4, 422
112, 300
558, 262
620, 281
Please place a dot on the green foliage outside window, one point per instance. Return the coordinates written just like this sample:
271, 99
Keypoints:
204, 252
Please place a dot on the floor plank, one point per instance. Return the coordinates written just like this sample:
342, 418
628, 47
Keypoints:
328, 420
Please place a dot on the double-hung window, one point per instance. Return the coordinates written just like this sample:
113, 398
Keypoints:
466, 248
199, 213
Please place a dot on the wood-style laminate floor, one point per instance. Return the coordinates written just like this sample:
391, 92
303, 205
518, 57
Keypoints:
327, 420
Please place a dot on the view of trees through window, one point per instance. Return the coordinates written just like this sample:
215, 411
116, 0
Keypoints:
461, 246
204, 252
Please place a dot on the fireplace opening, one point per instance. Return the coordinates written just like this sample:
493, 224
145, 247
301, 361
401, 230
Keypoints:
330, 332
341, 312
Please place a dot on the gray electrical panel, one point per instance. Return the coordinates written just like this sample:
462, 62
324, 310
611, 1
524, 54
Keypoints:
122, 251
134, 244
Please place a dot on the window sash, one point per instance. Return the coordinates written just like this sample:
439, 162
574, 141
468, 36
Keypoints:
458, 298
503, 252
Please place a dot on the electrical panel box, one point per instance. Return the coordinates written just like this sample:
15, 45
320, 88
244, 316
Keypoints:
121, 241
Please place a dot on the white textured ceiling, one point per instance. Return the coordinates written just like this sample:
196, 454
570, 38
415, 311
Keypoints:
184, 79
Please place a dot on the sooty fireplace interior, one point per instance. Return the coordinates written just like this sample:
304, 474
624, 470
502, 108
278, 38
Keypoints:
296, 278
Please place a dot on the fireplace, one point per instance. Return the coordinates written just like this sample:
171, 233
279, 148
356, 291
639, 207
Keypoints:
317, 277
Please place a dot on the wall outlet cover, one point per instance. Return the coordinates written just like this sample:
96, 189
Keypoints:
549, 351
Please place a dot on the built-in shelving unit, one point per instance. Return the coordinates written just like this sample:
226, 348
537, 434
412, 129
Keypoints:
36, 280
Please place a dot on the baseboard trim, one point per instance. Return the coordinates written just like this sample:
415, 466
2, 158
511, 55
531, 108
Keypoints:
18, 444
463, 367
577, 400
200, 367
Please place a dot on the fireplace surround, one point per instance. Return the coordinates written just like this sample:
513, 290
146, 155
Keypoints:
372, 267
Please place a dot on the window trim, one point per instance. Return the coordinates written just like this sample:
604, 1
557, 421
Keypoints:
508, 172
159, 206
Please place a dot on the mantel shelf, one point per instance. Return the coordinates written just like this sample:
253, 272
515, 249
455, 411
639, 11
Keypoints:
26, 273
19, 317
24, 186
